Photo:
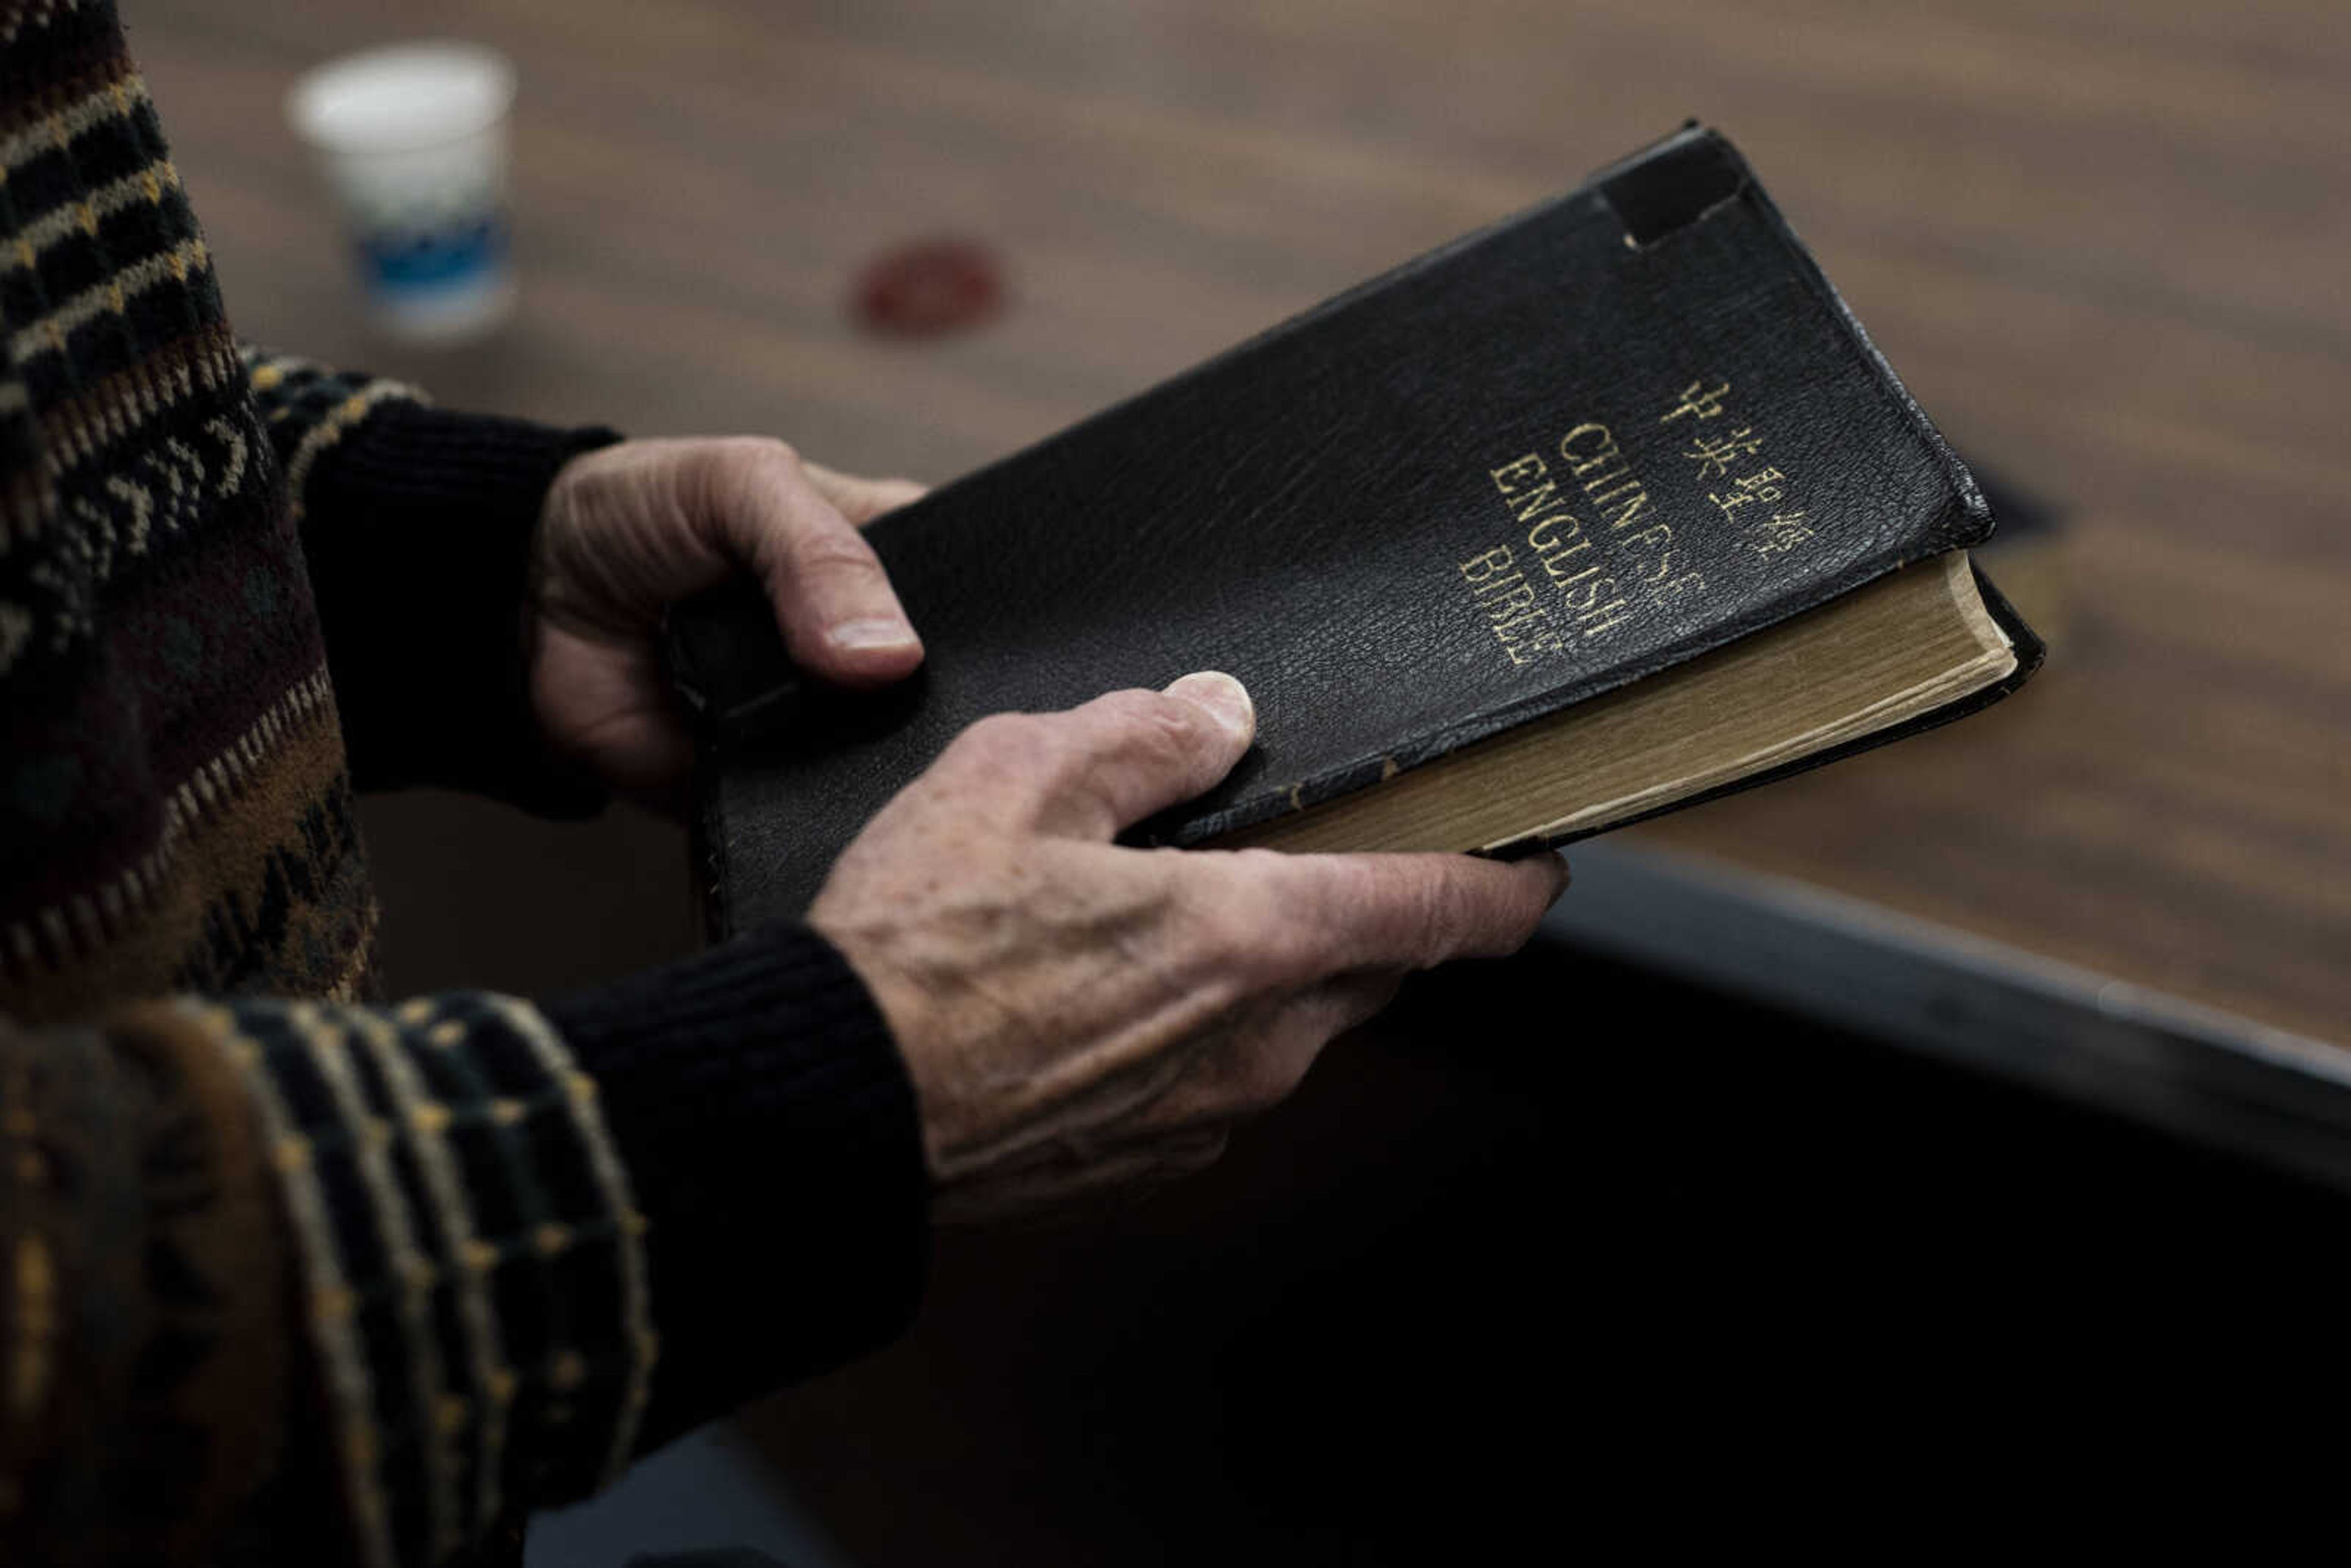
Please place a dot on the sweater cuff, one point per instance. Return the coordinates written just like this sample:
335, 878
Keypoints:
421, 566
772, 1137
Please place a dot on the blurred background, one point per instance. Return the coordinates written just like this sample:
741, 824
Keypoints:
1563, 1241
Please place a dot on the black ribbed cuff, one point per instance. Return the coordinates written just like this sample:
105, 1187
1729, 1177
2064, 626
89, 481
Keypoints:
420, 555
771, 1134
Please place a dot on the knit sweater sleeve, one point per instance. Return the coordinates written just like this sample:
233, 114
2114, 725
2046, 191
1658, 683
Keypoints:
416, 524
463, 1257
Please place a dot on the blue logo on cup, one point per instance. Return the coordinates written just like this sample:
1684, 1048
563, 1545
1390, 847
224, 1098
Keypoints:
411, 261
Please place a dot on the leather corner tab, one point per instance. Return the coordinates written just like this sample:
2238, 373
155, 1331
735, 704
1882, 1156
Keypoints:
1674, 186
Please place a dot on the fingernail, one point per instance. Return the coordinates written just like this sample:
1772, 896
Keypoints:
878, 632
1221, 696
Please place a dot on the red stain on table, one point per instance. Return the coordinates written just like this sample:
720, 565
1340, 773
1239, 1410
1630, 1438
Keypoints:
929, 287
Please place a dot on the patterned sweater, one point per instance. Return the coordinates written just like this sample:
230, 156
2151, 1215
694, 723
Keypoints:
286, 1274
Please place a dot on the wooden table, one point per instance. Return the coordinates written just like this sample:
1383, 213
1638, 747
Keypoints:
2106, 245
2105, 242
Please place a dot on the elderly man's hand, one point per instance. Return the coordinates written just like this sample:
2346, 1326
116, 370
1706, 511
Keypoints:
1077, 1016
629, 529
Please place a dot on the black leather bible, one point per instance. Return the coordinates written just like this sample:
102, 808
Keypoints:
1608, 508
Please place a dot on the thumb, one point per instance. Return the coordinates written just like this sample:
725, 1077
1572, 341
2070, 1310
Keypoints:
1109, 763
861, 499
1140, 752
840, 617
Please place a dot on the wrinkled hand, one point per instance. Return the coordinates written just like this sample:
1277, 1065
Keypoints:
629, 529
1078, 1016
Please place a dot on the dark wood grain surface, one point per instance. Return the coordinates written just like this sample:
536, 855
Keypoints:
2105, 242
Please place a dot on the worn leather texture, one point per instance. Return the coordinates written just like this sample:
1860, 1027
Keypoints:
1307, 511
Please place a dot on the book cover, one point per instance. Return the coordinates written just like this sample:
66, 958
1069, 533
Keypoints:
1596, 440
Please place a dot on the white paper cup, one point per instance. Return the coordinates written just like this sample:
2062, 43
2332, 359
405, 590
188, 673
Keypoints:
413, 141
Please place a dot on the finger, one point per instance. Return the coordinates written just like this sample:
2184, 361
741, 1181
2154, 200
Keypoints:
861, 500
610, 709
1257, 1068
841, 619
1415, 911
1351, 999
1096, 769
